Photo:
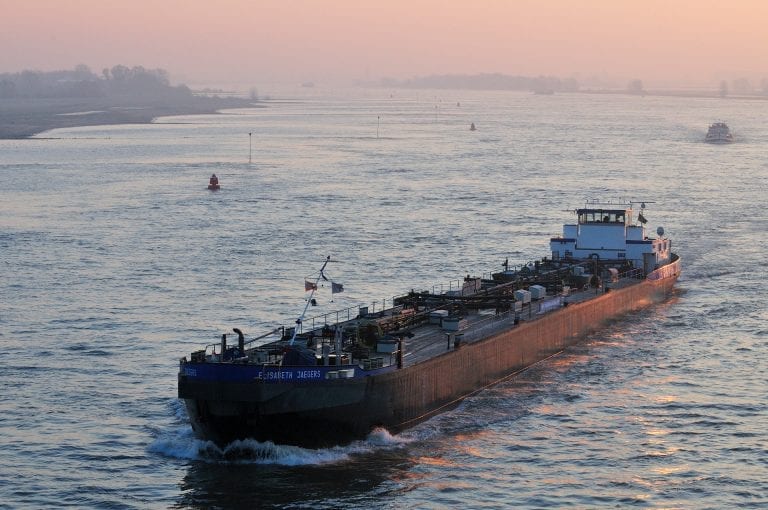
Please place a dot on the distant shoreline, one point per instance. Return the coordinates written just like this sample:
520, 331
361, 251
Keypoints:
25, 118
677, 93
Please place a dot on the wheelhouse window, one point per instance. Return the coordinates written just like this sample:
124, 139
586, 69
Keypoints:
587, 216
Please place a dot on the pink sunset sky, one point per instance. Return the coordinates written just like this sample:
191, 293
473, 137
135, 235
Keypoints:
662, 42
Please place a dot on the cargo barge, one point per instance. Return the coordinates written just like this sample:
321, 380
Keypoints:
331, 379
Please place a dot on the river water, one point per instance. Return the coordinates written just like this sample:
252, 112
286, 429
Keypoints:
117, 261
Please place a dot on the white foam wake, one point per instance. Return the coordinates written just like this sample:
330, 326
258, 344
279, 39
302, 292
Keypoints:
179, 442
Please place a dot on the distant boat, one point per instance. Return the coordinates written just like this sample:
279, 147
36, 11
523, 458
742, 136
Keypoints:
544, 92
472, 127
719, 133
213, 183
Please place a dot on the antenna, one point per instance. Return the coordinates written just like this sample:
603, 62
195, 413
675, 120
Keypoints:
309, 300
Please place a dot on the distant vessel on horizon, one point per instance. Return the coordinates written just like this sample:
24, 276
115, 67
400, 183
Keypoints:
719, 132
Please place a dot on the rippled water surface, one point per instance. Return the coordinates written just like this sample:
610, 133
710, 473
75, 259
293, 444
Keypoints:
117, 261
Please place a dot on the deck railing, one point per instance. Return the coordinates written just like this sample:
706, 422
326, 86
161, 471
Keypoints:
379, 307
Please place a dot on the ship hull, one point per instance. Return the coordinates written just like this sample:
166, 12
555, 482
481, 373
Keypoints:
334, 412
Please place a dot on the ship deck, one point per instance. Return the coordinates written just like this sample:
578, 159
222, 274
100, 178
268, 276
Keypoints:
431, 340
433, 335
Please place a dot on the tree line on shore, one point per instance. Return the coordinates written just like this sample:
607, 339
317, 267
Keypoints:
487, 81
81, 82
497, 81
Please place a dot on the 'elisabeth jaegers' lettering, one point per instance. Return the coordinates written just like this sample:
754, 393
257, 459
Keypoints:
287, 375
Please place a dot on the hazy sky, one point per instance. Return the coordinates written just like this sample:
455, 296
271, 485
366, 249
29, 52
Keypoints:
273, 41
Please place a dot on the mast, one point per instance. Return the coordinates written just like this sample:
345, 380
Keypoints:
309, 300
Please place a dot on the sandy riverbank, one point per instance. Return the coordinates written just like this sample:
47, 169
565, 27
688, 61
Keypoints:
22, 118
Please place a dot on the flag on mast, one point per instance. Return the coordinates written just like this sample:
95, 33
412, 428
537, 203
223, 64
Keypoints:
309, 285
336, 288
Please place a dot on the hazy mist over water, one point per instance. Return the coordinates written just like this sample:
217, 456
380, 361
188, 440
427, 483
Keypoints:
117, 262
684, 43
